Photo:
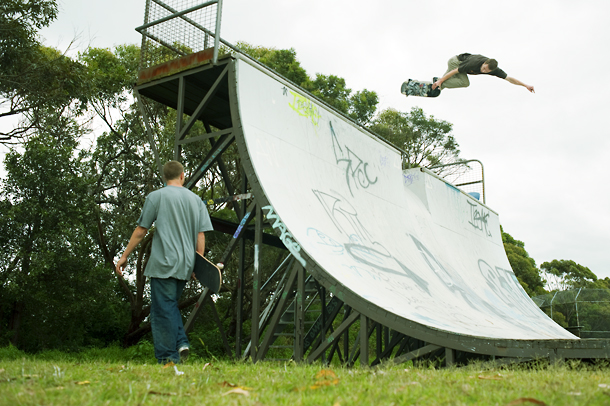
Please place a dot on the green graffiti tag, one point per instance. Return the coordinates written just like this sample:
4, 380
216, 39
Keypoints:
305, 108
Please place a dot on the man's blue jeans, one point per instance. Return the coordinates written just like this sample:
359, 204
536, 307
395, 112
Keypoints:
166, 320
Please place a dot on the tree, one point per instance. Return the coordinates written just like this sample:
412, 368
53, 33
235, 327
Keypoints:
283, 61
53, 291
33, 78
566, 274
19, 22
427, 141
360, 106
523, 265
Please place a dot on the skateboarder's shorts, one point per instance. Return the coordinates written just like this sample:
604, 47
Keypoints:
457, 80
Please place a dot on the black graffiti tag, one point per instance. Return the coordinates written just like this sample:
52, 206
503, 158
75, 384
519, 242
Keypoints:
355, 168
478, 218
360, 244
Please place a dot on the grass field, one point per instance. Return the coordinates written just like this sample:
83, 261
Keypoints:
129, 377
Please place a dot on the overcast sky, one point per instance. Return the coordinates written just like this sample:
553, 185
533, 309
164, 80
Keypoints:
545, 154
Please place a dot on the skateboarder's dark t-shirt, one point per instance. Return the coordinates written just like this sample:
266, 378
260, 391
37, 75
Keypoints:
471, 64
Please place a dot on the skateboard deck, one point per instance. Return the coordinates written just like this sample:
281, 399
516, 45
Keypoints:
207, 273
419, 88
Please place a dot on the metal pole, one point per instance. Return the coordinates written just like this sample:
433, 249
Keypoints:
483, 181
449, 357
364, 340
217, 33
299, 316
323, 332
576, 307
240, 280
346, 334
144, 47
179, 117
552, 300
256, 283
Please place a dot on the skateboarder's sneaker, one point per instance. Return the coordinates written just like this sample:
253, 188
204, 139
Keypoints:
403, 88
434, 92
184, 353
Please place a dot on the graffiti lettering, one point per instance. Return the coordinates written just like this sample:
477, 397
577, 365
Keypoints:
355, 168
342, 214
242, 223
383, 161
409, 178
505, 286
305, 108
326, 241
434, 264
454, 281
478, 219
359, 243
293, 247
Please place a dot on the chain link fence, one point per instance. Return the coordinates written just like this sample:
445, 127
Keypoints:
584, 312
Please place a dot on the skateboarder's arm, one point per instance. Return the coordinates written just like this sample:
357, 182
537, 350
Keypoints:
136, 237
520, 83
200, 243
447, 76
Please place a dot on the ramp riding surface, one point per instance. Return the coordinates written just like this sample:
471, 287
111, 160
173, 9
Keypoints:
405, 248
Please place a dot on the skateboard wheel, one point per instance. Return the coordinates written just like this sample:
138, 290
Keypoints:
220, 265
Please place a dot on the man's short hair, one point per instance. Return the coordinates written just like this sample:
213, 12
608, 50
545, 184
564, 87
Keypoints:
172, 170
492, 63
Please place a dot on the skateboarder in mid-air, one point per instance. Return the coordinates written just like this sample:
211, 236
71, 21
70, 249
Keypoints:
460, 66
458, 69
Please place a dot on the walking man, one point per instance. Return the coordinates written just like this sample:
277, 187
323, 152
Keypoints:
460, 66
180, 219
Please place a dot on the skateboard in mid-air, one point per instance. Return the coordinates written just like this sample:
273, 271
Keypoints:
420, 88
207, 273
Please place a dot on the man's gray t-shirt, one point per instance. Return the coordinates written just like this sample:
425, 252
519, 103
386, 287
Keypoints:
179, 216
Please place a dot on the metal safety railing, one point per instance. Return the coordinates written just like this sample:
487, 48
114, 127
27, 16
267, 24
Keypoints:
470, 180
175, 28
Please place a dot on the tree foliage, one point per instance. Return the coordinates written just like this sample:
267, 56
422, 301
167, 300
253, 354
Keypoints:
566, 274
426, 141
523, 265
283, 61
51, 281
19, 22
33, 78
